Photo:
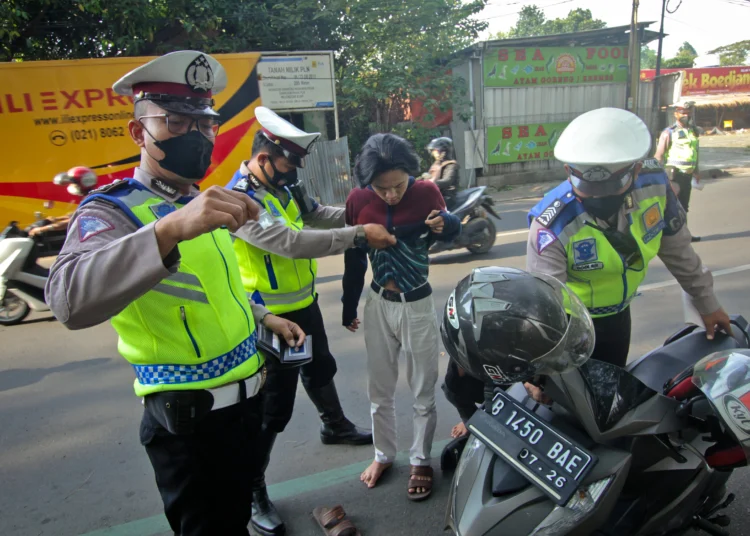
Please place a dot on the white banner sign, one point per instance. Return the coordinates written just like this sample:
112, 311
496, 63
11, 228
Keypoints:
294, 82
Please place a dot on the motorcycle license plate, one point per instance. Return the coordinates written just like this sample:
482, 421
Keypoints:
546, 457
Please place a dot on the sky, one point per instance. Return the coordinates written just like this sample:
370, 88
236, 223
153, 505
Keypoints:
706, 24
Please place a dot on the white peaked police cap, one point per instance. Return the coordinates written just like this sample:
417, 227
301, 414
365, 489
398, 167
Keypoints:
601, 148
295, 143
180, 82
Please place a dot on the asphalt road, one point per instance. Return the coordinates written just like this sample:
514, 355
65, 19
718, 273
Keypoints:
71, 464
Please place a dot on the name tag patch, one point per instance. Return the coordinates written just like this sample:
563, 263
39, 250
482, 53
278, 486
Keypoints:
653, 222
588, 266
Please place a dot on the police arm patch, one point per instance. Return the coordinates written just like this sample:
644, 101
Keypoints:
543, 239
89, 226
550, 213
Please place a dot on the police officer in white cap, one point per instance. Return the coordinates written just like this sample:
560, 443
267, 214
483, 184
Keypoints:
599, 230
154, 256
277, 260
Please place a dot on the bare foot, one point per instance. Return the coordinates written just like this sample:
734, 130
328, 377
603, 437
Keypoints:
459, 430
372, 474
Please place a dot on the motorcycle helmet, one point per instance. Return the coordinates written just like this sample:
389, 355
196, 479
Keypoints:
503, 325
444, 145
80, 180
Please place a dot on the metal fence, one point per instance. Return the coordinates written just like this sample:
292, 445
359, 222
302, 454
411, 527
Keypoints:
327, 173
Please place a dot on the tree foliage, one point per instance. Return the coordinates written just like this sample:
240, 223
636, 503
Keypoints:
684, 59
734, 54
532, 22
387, 51
648, 58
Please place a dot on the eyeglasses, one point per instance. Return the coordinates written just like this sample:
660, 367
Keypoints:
179, 124
624, 244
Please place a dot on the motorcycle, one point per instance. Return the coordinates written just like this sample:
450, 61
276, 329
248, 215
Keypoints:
22, 280
479, 233
645, 450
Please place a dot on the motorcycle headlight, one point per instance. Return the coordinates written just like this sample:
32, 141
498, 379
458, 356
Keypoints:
563, 518
469, 450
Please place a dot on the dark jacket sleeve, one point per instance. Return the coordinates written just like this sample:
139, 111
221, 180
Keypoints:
451, 229
355, 268
449, 178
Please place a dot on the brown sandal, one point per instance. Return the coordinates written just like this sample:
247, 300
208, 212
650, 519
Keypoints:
420, 470
332, 521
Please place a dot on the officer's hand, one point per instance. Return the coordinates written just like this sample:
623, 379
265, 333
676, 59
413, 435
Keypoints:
214, 208
718, 318
286, 329
354, 326
537, 394
435, 222
378, 236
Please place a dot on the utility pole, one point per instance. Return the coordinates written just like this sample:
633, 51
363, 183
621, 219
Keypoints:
635, 61
657, 80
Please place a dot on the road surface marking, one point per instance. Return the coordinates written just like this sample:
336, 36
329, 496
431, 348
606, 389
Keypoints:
158, 524
717, 273
511, 233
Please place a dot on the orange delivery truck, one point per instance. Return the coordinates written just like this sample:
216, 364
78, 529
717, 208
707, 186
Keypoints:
55, 115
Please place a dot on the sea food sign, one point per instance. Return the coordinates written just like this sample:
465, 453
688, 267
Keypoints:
555, 66
522, 143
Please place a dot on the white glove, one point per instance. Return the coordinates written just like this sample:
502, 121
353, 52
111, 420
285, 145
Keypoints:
697, 185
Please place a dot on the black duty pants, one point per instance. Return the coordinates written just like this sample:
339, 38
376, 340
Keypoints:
204, 477
612, 338
281, 385
685, 182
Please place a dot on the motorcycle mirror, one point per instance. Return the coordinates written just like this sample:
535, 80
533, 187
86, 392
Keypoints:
49, 204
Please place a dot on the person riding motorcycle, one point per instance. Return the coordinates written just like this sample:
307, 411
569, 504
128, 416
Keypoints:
80, 180
444, 171
503, 325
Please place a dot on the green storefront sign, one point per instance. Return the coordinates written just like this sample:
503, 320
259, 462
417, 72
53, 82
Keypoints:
522, 143
555, 66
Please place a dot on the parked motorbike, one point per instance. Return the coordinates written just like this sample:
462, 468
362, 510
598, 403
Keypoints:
478, 235
22, 280
645, 450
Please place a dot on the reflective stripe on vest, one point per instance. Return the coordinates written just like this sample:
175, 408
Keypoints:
596, 272
182, 374
682, 152
280, 283
194, 329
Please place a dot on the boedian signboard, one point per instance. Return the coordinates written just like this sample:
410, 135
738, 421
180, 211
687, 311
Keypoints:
709, 80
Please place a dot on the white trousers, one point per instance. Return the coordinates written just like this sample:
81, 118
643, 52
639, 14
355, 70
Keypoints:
389, 328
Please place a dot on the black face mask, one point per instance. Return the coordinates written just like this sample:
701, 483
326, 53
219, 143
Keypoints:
290, 177
188, 155
603, 207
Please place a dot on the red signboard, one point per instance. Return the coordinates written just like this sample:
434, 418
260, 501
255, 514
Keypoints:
709, 80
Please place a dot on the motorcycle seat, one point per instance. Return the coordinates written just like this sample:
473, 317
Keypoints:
668, 361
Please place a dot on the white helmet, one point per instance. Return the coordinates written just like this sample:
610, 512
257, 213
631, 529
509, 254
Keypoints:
601, 147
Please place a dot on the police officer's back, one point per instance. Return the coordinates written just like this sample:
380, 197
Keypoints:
150, 254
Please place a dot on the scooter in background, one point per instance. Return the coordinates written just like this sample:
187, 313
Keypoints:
473, 207
22, 280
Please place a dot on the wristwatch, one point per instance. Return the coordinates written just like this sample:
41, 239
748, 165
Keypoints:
360, 239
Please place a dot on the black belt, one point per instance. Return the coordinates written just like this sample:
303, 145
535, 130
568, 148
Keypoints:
411, 296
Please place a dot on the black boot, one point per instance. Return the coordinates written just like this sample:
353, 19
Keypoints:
336, 428
265, 519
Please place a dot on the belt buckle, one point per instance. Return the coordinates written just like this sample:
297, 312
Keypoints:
391, 295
